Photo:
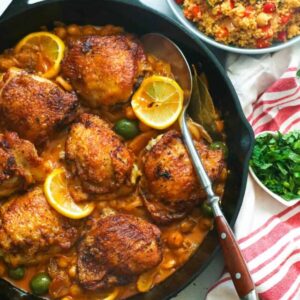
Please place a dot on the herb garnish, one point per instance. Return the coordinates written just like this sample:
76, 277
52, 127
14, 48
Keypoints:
276, 162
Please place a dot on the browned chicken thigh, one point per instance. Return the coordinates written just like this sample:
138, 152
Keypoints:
33, 106
97, 157
104, 69
20, 165
169, 186
116, 249
31, 231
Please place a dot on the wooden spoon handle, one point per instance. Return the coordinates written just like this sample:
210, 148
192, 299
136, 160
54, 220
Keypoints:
234, 260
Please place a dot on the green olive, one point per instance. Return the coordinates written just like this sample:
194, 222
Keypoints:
206, 210
17, 273
219, 146
128, 129
39, 284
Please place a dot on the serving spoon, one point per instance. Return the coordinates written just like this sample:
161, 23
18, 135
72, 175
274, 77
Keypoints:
164, 49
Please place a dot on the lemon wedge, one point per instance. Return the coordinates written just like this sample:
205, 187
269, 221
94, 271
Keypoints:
158, 101
58, 196
49, 49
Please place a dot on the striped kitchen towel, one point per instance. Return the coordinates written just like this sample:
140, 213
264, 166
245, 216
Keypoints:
267, 231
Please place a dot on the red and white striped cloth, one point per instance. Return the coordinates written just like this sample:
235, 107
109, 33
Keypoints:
267, 231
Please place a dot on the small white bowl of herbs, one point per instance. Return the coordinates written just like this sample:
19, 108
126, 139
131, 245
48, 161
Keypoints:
275, 165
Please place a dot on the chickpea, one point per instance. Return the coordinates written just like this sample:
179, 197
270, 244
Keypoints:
129, 113
74, 260
101, 205
175, 239
62, 262
110, 29
169, 264
292, 3
75, 290
206, 224
187, 226
114, 203
224, 174
219, 189
89, 30
73, 29
293, 30
60, 32
189, 245
72, 272
263, 19
181, 252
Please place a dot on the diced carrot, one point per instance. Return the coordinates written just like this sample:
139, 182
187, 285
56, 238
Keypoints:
219, 126
196, 11
284, 19
222, 33
268, 30
129, 113
248, 11
187, 13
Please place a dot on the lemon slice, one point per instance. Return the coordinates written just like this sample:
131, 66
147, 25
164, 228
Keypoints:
158, 101
49, 49
59, 198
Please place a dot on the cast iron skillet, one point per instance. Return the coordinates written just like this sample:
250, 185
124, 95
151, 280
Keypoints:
21, 19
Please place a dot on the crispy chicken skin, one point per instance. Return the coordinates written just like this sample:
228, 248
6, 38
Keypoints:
104, 69
116, 249
169, 186
31, 231
97, 157
20, 165
34, 107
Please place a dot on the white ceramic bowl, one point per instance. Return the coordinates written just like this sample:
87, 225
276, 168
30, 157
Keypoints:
275, 196
180, 16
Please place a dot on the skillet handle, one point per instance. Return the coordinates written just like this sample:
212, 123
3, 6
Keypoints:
234, 260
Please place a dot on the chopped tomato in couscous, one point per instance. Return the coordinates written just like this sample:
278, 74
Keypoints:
245, 23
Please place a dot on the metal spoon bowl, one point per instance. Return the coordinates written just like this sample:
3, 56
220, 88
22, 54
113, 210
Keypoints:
164, 49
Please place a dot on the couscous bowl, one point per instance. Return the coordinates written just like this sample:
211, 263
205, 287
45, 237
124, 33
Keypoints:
245, 24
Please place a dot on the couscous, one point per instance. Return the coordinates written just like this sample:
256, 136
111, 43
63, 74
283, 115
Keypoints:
245, 23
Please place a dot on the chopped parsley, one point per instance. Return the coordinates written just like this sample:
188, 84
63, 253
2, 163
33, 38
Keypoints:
276, 162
